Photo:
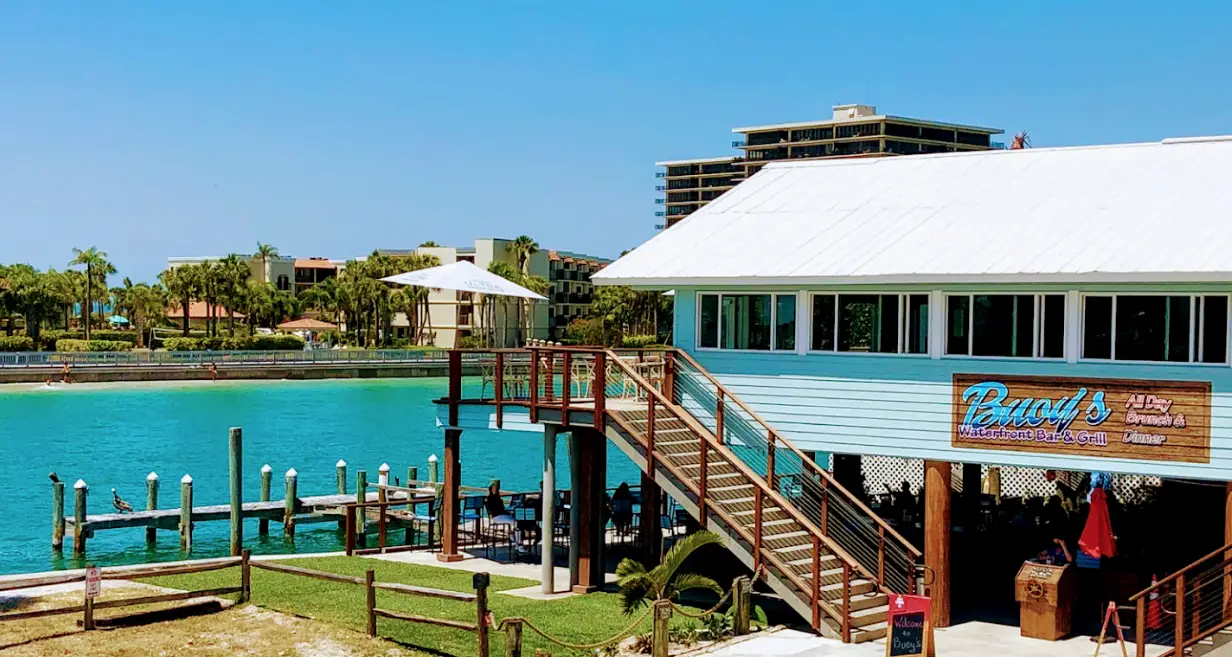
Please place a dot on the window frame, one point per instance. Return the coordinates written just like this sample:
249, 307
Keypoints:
903, 324
697, 322
1195, 319
1037, 326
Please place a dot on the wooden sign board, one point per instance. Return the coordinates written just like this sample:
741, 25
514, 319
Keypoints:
1112, 418
910, 627
94, 582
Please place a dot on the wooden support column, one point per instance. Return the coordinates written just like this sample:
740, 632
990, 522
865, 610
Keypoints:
587, 458
449, 497
650, 534
937, 482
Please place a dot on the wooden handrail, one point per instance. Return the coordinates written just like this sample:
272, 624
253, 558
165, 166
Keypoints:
810, 463
753, 477
1186, 569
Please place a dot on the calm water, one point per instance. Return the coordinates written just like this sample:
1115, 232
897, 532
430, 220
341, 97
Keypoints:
114, 435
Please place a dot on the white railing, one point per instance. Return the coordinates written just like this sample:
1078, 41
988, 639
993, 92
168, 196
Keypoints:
189, 358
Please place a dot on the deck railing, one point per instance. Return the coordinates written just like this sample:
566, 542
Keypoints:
1186, 607
34, 359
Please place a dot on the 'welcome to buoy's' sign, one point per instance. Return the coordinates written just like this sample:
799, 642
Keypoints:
910, 632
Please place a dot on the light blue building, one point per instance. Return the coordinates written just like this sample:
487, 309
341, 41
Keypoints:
1040, 313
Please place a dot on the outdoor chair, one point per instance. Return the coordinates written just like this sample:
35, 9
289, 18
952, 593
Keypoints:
429, 518
472, 511
582, 376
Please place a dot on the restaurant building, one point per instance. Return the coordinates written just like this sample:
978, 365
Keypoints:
973, 341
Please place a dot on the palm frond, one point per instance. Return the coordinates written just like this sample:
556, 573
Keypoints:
686, 546
690, 581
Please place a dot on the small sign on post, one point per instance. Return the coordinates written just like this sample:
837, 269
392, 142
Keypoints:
910, 627
94, 582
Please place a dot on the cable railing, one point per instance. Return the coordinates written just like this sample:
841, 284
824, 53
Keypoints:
1187, 607
35, 359
836, 511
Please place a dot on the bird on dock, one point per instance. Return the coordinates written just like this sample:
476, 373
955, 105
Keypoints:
54, 478
119, 503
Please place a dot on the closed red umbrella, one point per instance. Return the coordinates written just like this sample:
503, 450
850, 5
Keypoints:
1097, 540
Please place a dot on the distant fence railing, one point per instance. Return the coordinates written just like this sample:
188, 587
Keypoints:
190, 358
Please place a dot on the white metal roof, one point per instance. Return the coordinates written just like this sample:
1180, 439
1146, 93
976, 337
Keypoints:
1153, 212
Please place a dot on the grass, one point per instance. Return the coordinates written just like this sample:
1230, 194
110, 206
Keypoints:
247, 630
577, 619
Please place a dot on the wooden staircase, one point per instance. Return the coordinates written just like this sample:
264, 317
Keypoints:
1189, 611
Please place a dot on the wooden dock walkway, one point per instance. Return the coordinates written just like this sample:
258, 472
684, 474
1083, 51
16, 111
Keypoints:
307, 509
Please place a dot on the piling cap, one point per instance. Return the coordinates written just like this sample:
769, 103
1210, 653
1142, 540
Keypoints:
292, 473
340, 464
153, 476
81, 483
384, 468
432, 459
186, 479
266, 468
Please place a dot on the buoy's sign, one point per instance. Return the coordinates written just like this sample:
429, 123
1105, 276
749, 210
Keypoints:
1122, 418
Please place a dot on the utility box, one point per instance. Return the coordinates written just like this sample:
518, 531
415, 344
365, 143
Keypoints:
1045, 595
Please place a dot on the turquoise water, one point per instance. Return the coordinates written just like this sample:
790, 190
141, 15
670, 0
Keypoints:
114, 435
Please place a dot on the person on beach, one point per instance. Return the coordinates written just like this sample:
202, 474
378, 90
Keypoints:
213, 372
66, 373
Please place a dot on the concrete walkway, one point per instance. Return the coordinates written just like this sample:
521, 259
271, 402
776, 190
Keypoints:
966, 640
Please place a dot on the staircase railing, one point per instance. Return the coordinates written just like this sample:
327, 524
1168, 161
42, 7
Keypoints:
809, 487
1187, 606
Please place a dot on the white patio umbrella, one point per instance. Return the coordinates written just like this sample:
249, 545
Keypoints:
463, 275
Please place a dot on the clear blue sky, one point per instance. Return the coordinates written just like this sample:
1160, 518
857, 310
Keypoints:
152, 129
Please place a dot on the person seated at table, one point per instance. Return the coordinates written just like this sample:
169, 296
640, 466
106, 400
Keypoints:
498, 514
1057, 553
622, 507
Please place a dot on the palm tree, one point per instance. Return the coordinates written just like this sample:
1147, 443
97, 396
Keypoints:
509, 273
233, 274
181, 284
147, 305
266, 252
523, 247
96, 265
639, 586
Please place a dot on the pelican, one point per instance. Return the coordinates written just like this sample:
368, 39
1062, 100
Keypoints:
119, 503
54, 478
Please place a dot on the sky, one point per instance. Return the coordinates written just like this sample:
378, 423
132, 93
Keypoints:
153, 129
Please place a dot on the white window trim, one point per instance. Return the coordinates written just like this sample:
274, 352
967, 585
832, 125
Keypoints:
902, 327
1193, 296
1036, 337
697, 324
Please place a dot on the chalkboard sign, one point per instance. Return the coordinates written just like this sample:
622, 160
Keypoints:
907, 634
910, 632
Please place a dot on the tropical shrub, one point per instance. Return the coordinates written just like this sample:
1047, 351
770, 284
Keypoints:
16, 343
92, 345
49, 338
469, 342
591, 331
275, 342
638, 341
182, 344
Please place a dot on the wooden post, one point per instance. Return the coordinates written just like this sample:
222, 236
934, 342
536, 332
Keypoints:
1227, 539
599, 388
267, 482
499, 389
151, 504
1139, 621
57, 514
662, 618
669, 376
369, 576
340, 476
361, 514
480, 582
245, 577
846, 602
742, 601
80, 492
412, 475
815, 594
937, 480
349, 519
702, 477
434, 470
1179, 630
288, 513
87, 617
186, 506
758, 503
236, 452
513, 638
449, 500
565, 388
455, 385
719, 411
534, 386
382, 477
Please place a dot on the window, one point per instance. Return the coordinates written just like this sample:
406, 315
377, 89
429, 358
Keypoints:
1006, 325
1156, 328
871, 323
759, 322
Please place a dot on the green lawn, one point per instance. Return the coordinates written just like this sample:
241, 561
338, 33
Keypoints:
578, 619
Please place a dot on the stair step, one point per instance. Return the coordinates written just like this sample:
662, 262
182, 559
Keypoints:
869, 616
673, 443
723, 475
833, 593
809, 561
752, 512
724, 489
866, 601
787, 535
776, 523
869, 633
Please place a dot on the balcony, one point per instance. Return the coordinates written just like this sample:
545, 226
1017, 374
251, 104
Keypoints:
739, 143
660, 214
660, 226
997, 145
660, 188
659, 201
660, 174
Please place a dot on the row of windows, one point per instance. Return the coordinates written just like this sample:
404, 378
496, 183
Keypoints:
1184, 329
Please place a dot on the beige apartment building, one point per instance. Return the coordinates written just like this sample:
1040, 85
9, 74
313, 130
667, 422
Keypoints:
851, 131
289, 274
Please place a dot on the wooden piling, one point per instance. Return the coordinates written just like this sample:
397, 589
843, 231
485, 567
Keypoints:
361, 496
412, 475
340, 480
245, 577
236, 451
513, 638
267, 482
57, 514
369, 575
662, 618
434, 469
87, 607
483, 618
742, 590
151, 504
288, 515
186, 506
382, 475
80, 492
